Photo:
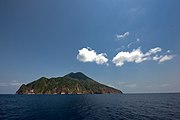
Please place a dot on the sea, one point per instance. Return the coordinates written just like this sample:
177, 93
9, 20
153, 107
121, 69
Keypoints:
164, 106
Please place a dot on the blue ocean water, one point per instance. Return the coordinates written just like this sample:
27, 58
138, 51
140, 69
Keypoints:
91, 107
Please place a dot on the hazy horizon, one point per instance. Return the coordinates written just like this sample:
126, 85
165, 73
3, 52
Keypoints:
130, 45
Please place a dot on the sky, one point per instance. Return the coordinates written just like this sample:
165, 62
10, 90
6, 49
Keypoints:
130, 45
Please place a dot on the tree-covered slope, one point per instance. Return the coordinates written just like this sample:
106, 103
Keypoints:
73, 83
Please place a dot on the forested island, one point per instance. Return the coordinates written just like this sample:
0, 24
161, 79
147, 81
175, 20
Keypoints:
72, 83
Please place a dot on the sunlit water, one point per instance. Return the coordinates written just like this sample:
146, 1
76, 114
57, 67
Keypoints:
91, 107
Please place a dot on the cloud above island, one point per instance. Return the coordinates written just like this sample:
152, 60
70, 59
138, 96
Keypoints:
122, 57
137, 56
89, 55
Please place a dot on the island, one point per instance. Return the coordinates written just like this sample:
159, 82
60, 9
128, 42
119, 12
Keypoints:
72, 83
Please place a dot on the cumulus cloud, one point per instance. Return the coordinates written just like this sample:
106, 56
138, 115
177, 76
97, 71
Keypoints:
89, 55
166, 58
122, 57
135, 56
138, 56
122, 36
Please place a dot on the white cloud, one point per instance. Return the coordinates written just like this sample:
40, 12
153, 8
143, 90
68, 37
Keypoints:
122, 36
166, 58
89, 55
101, 59
138, 56
135, 56
155, 58
162, 58
153, 51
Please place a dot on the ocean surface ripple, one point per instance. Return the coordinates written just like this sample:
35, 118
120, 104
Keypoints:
91, 107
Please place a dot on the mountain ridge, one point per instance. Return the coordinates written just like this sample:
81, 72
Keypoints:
72, 83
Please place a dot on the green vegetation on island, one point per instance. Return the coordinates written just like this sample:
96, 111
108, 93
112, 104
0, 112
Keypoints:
73, 83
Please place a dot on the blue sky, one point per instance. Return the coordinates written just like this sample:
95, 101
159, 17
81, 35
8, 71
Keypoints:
131, 45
